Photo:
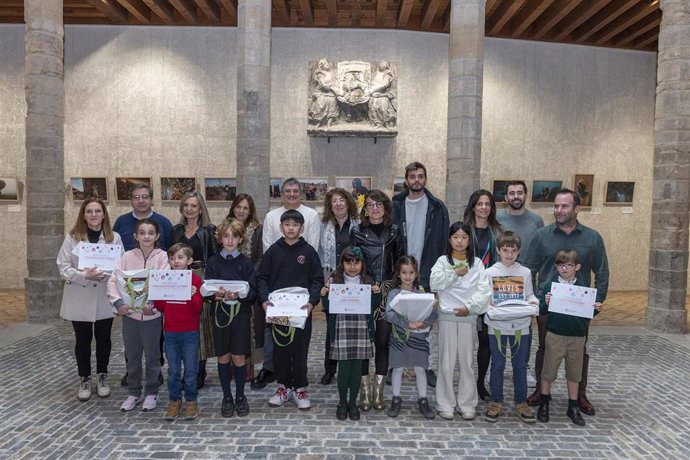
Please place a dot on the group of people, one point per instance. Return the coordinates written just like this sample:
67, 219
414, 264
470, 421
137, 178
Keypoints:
399, 245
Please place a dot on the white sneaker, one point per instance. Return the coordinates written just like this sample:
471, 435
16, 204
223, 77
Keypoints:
150, 403
446, 415
84, 389
531, 381
467, 414
301, 399
130, 403
103, 388
281, 395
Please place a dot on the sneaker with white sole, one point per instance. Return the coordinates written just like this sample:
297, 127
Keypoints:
130, 403
531, 381
150, 403
103, 387
446, 415
281, 395
84, 389
301, 399
466, 414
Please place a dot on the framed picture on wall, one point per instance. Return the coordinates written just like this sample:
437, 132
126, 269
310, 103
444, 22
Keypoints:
499, 190
583, 185
87, 187
274, 184
9, 189
398, 185
220, 188
619, 193
356, 185
173, 188
123, 186
544, 191
314, 188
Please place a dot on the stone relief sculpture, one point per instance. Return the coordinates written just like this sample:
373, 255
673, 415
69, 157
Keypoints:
352, 98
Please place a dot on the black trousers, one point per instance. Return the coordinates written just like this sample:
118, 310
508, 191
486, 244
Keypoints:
290, 361
483, 353
381, 338
84, 332
329, 365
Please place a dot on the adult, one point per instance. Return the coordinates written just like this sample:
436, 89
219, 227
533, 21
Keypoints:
567, 233
338, 220
381, 242
243, 209
423, 220
85, 299
517, 218
196, 230
141, 199
480, 214
291, 199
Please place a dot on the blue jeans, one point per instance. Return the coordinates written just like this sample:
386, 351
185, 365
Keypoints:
182, 348
498, 364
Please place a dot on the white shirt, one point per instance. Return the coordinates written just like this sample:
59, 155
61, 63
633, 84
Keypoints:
311, 231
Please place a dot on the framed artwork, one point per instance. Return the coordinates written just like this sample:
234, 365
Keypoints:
544, 191
313, 188
87, 187
173, 188
274, 184
9, 189
583, 185
398, 185
356, 185
220, 188
123, 186
619, 193
499, 190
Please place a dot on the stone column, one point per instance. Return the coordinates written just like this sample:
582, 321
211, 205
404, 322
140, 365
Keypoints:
668, 258
465, 84
254, 100
45, 96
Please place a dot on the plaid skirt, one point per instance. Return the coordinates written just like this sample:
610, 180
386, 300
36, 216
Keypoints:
351, 338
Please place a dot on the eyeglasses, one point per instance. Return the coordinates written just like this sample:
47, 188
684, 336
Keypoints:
141, 197
375, 204
564, 266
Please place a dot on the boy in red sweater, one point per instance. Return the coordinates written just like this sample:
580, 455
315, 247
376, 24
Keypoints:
181, 329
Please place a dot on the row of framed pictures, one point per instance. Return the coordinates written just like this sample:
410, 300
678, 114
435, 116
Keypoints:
214, 188
544, 191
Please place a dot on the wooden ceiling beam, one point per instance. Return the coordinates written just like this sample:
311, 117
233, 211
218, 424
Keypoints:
282, 11
355, 13
113, 10
429, 13
446, 19
186, 9
528, 15
307, 10
553, 16
644, 41
332, 10
503, 14
210, 9
161, 9
624, 21
381, 8
404, 12
652, 22
579, 16
491, 6
138, 9
602, 19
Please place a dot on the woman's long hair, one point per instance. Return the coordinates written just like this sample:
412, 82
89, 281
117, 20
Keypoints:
328, 209
469, 216
465, 227
78, 231
204, 218
251, 219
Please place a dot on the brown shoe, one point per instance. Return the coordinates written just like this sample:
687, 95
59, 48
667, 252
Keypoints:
173, 410
585, 406
535, 398
191, 410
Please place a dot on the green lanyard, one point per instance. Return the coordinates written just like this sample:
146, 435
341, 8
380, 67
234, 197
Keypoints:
397, 337
289, 334
518, 337
133, 293
231, 312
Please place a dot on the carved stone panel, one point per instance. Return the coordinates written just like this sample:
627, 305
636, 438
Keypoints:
352, 98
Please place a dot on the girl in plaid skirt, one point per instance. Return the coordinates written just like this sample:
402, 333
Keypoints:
351, 334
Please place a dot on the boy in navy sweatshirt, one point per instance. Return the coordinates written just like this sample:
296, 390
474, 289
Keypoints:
291, 262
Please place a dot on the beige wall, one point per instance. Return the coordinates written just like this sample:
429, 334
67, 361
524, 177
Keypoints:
161, 102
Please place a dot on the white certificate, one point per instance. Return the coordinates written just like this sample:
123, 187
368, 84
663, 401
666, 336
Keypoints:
572, 300
170, 284
287, 304
100, 255
353, 299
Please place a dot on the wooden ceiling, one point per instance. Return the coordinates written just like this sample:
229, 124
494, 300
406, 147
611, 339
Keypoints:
632, 24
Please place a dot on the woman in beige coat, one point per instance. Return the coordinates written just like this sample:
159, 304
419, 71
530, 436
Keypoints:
84, 299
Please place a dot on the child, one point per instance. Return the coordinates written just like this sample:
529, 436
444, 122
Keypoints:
232, 315
351, 335
141, 332
291, 262
181, 329
464, 292
565, 338
408, 347
510, 280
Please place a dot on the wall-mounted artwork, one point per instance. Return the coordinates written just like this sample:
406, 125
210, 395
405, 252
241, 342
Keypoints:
87, 187
9, 189
220, 188
352, 98
499, 190
619, 192
544, 191
314, 188
583, 185
274, 185
356, 185
173, 188
399, 185
123, 186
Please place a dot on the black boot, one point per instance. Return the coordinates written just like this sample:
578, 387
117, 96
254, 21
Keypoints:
396, 404
201, 376
543, 411
573, 413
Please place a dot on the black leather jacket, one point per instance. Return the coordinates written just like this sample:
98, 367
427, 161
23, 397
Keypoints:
207, 236
380, 254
